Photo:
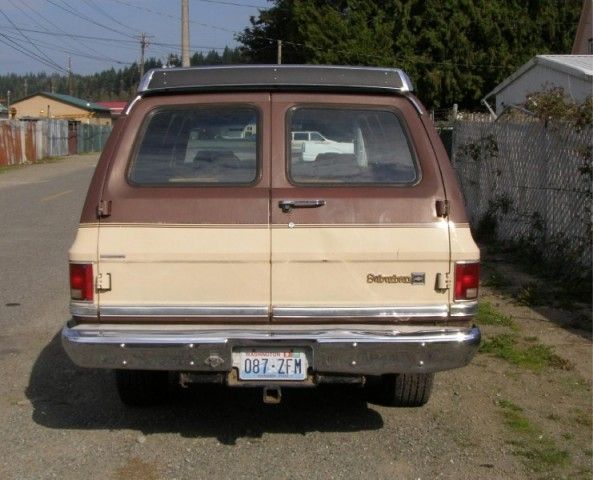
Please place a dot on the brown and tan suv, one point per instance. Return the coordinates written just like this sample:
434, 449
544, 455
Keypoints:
218, 244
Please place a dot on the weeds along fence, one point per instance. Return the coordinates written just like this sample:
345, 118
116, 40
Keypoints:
24, 141
530, 184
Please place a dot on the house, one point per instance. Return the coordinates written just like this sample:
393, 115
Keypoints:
116, 107
59, 106
583, 40
3, 112
573, 73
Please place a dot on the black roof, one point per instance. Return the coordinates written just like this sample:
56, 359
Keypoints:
275, 77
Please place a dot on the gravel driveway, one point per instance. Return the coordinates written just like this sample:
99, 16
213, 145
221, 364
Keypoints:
497, 418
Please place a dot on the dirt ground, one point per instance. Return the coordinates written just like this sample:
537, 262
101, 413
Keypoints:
522, 408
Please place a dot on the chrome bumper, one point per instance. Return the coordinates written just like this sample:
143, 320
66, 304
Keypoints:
332, 350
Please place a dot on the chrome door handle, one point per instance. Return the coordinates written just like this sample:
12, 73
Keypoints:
288, 205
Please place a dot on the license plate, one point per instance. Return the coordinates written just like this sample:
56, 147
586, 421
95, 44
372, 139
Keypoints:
271, 364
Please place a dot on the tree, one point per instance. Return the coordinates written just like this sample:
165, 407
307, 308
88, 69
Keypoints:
456, 51
109, 84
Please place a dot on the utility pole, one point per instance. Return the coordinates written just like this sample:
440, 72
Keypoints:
279, 52
143, 45
70, 84
185, 33
26, 87
8, 102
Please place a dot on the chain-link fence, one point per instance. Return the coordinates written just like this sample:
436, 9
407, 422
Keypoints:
528, 182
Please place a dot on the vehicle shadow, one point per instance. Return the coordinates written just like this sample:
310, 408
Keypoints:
65, 396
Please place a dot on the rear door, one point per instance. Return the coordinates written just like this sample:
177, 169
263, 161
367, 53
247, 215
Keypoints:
355, 233
185, 231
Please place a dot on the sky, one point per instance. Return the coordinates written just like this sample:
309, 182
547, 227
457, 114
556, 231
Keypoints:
40, 35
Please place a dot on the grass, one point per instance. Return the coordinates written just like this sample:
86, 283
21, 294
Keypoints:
496, 280
574, 383
583, 418
544, 456
532, 295
562, 282
541, 454
9, 168
488, 315
514, 418
535, 356
528, 353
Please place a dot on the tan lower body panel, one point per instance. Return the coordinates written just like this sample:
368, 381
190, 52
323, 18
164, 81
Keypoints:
358, 266
185, 266
230, 270
463, 246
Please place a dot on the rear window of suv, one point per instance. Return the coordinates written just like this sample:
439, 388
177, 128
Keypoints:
197, 145
354, 146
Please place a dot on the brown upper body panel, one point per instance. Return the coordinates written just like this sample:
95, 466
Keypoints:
180, 204
356, 204
219, 204
457, 212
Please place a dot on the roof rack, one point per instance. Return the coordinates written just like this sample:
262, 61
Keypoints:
275, 77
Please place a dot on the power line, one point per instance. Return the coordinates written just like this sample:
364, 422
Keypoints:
78, 14
106, 39
15, 45
71, 35
69, 38
104, 13
75, 53
43, 54
233, 4
176, 18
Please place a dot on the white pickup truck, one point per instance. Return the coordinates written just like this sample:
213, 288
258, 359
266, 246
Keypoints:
308, 145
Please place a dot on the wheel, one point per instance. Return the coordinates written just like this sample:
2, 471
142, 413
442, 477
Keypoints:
139, 388
405, 389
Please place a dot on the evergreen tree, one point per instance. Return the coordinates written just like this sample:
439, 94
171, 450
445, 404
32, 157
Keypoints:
455, 51
106, 85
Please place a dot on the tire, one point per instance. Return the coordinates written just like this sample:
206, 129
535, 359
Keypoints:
141, 388
406, 389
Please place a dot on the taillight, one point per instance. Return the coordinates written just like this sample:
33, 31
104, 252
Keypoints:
467, 280
81, 281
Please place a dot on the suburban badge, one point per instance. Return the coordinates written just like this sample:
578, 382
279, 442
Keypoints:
414, 278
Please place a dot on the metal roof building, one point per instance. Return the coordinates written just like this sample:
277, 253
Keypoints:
60, 106
573, 73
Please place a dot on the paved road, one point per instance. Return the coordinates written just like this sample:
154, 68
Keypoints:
39, 210
60, 421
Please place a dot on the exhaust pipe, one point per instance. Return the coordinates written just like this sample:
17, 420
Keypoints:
272, 395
